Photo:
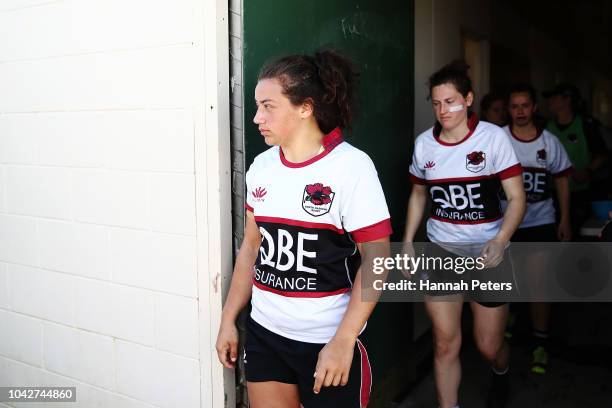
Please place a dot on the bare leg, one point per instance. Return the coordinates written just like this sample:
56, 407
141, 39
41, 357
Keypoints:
489, 324
540, 316
273, 394
446, 321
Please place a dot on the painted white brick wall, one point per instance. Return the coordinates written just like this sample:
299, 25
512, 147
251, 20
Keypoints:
79, 354
176, 329
18, 237
101, 109
74, 248
44, 294
163, 262
21, 338
175, 383
4, 299
119, 311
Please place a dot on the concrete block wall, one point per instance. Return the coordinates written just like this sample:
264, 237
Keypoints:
98, 246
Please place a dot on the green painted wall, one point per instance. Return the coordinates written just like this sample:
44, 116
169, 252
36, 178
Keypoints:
379, 36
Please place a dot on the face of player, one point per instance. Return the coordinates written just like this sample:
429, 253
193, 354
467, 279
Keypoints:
521, 108
277, 118
496, 113
559, 103
449, 106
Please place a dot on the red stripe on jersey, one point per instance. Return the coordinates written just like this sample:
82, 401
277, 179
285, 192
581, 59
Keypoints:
435, 217
535, 169
564, 173
456, 179
298, 223
417, 180
248, 207
539, 132
511, 171
373, 232
300, 294
366, 376
330, 141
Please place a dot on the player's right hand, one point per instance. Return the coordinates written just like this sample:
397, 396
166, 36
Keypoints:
408, 249
227, 345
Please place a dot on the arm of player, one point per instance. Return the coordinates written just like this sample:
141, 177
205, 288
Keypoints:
493, 251
416, 208
239, 293
564, 230
335, 358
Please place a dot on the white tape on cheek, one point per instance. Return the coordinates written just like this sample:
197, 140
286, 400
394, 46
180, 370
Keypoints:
455, 108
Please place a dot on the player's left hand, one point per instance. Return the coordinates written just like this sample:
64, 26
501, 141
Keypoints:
493, 253
334, 363
564, 231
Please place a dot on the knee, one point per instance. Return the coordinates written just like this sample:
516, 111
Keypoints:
447, 346
489, 346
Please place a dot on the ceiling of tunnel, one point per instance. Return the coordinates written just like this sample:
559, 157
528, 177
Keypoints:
584, 27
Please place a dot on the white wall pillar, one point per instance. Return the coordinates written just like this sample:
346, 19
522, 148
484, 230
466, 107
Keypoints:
213, 198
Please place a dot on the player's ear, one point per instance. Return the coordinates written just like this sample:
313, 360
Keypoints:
307, 108
469, 99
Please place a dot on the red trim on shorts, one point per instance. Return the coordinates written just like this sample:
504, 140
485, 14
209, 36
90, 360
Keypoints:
435, 217
373, 232
330, 141
366, 376
249, 208
564, 173
299, 223
301, 294
515, 170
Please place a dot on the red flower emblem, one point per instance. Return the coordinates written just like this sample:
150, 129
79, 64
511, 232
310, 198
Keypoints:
475, 158
430, 165
259, 192
317, 194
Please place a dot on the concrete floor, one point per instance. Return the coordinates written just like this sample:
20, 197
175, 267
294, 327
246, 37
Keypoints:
579, 375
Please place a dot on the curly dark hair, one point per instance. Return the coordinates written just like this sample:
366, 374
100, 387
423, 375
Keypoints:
326, 80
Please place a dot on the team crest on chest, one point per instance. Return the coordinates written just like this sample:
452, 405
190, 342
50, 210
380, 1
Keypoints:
475, 161
541, 156
317, 199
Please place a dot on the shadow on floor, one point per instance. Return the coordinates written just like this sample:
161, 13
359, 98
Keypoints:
580, 370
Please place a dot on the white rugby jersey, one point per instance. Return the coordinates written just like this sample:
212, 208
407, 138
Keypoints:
542, 159
310, 216
464, 181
